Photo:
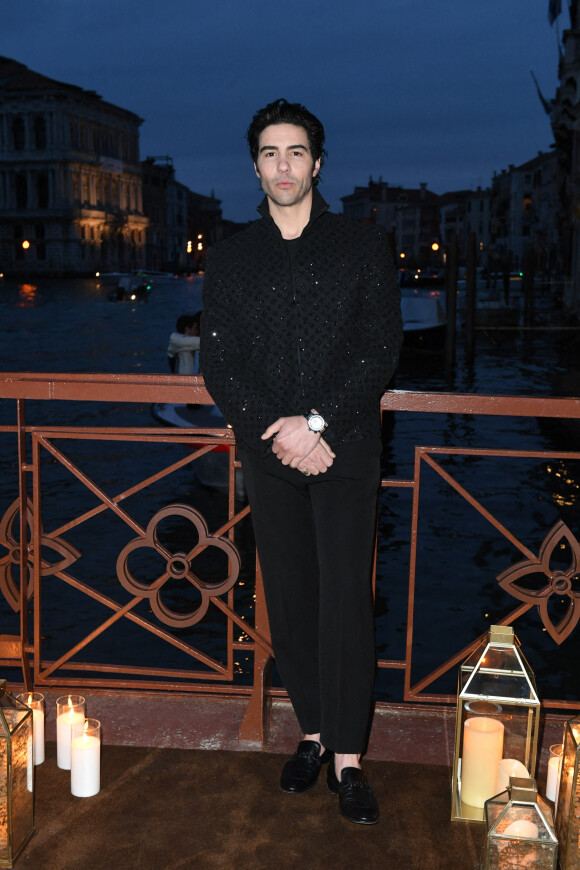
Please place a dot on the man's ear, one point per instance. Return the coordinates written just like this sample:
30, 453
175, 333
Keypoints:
316, 169
256, 170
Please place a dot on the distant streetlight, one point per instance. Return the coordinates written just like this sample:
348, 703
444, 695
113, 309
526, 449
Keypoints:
26, 244
435, 246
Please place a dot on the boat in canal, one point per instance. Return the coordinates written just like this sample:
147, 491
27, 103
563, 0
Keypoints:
424, 323
212, 469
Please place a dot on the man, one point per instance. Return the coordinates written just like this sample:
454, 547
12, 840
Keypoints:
183, 349
301, 333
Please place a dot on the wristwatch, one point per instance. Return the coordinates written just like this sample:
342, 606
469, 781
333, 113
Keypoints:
316, 422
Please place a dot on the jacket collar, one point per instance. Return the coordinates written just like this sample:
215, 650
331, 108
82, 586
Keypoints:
319, 207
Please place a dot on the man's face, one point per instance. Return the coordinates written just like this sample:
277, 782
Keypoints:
285, 166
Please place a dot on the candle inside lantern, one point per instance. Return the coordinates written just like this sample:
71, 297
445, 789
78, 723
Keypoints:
509, 767
86, 760
70, 712
482, 752
521, 828
554, 767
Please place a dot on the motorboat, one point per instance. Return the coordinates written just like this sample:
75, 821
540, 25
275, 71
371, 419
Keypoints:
211, 470
129, 287
424, 323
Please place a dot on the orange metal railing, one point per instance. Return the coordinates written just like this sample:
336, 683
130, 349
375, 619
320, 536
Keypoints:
230, 596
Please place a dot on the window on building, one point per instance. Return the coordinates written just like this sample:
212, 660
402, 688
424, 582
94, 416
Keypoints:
40, 133
41, 251
39, 231
18, 138
42, 190
21, 191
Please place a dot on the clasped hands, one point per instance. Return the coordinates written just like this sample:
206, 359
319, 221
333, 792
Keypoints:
297, 446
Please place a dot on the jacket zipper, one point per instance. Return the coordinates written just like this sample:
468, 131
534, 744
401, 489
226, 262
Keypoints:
290, 256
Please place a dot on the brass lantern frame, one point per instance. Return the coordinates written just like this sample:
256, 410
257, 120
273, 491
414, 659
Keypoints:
520, 805
16, 777
496, 681
568, 804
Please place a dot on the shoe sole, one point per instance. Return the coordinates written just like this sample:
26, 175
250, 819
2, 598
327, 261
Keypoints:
297, 790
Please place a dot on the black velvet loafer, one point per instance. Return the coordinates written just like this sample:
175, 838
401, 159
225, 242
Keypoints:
301, 771
356, 800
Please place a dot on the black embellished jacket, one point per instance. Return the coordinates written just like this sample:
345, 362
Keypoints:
291, 326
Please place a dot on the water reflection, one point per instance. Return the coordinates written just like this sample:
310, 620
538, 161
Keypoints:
27, 295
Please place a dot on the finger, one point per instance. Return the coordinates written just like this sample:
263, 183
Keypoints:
327, 447
272, 429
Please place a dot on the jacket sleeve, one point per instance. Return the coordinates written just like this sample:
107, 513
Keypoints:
374, 345
223, 362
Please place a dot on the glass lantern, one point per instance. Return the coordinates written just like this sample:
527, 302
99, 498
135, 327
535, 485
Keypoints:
496, 729
568, 806
16, 777
519, 830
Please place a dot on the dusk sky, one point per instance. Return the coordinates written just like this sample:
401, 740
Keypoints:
435, 91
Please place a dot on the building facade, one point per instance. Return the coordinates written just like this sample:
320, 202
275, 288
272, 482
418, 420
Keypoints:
564, 112
70, 178
410, 215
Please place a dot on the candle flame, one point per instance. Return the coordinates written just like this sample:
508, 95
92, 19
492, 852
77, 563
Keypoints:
86, 727
70, 703
29, 699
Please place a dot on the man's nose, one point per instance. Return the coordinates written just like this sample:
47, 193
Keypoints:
283, 164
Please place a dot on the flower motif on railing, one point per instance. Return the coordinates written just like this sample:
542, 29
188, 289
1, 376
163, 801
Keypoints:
178, 566
560, 583
11, 562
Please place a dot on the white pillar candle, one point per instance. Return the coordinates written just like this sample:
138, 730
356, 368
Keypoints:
554, 768
482, 752
35, 701
70, 713
521, 828
85, 779
509, 767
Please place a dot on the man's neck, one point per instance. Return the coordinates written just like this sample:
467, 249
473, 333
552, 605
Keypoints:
291, 219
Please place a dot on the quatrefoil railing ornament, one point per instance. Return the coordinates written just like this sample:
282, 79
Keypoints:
9, 539
560, 582
178, 566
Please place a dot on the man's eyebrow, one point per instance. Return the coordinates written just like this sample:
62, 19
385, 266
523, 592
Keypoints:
276, 148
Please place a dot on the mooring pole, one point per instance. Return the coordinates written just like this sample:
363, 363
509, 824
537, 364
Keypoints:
451, 301
528, 282
470, 297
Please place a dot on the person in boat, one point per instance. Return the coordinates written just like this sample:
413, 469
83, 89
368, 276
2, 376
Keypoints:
301, 332
183, 349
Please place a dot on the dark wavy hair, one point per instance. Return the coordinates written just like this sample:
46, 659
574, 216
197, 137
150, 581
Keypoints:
283, 112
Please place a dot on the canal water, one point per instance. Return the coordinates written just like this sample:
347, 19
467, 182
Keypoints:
74, 326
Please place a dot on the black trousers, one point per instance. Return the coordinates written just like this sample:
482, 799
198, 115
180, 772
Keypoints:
315, 538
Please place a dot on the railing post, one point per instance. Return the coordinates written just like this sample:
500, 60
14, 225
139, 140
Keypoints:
256, 722
16, 647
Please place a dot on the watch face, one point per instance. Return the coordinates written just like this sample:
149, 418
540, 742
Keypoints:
316, 422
